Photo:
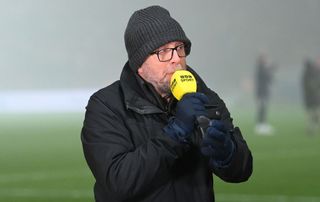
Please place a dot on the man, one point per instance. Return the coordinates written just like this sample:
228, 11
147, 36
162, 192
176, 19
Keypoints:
311, 92
263, 76
140, 143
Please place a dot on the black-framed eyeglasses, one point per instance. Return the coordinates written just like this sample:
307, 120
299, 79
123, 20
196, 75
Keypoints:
166, 54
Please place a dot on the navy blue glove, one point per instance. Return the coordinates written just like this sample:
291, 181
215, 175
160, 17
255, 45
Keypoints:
217, 145
188, 109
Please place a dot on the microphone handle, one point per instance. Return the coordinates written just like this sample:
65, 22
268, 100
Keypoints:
203, 123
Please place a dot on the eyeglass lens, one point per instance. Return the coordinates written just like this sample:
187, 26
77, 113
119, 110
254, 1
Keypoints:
166, 54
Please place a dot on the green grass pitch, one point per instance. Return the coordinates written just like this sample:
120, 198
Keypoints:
41, 160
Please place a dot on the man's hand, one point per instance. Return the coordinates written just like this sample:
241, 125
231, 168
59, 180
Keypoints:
217, 144
188, 109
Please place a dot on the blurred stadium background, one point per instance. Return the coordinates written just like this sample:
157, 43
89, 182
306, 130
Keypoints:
55, 54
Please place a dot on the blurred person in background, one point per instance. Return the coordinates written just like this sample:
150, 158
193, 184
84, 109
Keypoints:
311, 93
263, 79
142, 144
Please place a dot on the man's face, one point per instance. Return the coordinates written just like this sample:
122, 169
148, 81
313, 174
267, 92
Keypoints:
159, 73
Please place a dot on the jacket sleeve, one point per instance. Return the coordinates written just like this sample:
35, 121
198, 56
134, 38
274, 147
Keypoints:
240, 167
123, 170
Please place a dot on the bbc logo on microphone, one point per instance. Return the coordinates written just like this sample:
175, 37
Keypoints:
187, 78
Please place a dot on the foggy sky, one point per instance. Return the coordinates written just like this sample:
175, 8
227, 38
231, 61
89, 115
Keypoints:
75, 44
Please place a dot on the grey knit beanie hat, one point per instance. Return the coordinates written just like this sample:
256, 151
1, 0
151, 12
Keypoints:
149, 29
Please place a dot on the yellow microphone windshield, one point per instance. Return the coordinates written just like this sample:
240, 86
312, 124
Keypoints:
182, 82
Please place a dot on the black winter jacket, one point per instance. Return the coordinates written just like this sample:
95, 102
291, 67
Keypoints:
131, 157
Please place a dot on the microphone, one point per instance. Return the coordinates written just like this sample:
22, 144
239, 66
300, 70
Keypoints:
183, 82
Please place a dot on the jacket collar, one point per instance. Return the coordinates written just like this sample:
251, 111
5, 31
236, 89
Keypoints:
141, 97
138, 96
